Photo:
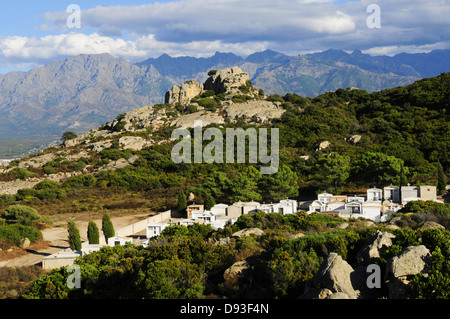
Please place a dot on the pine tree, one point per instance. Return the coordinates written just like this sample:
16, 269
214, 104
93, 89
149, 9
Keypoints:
209, 201
441, 179
181, 202
107, 227
93, 233
74, 236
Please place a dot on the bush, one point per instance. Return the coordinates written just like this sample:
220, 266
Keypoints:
208, 103
46, 184
22, 214
16, 233
208, 93
21, 173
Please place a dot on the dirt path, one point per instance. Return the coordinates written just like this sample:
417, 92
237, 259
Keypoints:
58, 240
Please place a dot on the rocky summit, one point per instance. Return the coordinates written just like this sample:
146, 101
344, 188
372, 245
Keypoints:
226, 96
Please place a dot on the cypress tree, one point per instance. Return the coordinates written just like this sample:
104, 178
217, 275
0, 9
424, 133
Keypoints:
209, 201
74, 236
181, 202
441, 179
93, 233
107, 227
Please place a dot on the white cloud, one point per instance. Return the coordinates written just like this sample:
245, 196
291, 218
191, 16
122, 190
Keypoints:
201, 27
22, 51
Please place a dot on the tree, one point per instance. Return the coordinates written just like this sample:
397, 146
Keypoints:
282, 184
107, 227
333, 171
245, 186
181, 200
376, 168
93, 233
209, 201
441, 179
74, 236
24, 215
69, 135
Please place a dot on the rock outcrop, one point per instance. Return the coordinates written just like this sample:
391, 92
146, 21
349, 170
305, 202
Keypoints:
248, 232
372, 248
184, 93
235, 272
399, 269
337, 279
332, 277
256, 111
227, 80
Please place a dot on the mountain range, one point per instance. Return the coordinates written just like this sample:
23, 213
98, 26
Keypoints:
82, 92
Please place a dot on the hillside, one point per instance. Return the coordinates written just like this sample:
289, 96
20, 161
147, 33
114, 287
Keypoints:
336, 142
80, 93
341, 142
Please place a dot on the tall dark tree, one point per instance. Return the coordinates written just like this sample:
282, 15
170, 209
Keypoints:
74, 236
209, 201
441, 179
93, 233
107, 227
181, 199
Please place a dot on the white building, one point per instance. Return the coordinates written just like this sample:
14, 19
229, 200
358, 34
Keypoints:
155, 229
334, 206
392, 193
409, 193
204, 215
324, 198
219, 209
371, 210
116, 240
290, 202
316, 207
374, 194
249, 207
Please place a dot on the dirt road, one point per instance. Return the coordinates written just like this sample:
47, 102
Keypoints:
58, 240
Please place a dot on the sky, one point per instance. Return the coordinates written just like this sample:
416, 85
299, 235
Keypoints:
33, 33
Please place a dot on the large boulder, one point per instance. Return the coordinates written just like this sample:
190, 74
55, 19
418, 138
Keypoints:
227, 80
431, 224
248, 232
235, 272
399, 269
184, 93
135, 143
334, 274
372, 247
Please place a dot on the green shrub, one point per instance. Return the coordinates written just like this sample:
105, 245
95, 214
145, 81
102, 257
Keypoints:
21, 214
21, 173
208, 93
208, 103
47, 184
25, 192
16, 233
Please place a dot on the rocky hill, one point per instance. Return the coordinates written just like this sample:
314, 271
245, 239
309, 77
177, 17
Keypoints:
226, 97
80, 93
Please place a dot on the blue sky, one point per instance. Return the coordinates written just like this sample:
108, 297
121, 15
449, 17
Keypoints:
34, 33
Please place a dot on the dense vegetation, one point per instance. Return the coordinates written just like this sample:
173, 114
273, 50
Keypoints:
187, 262
404, 138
